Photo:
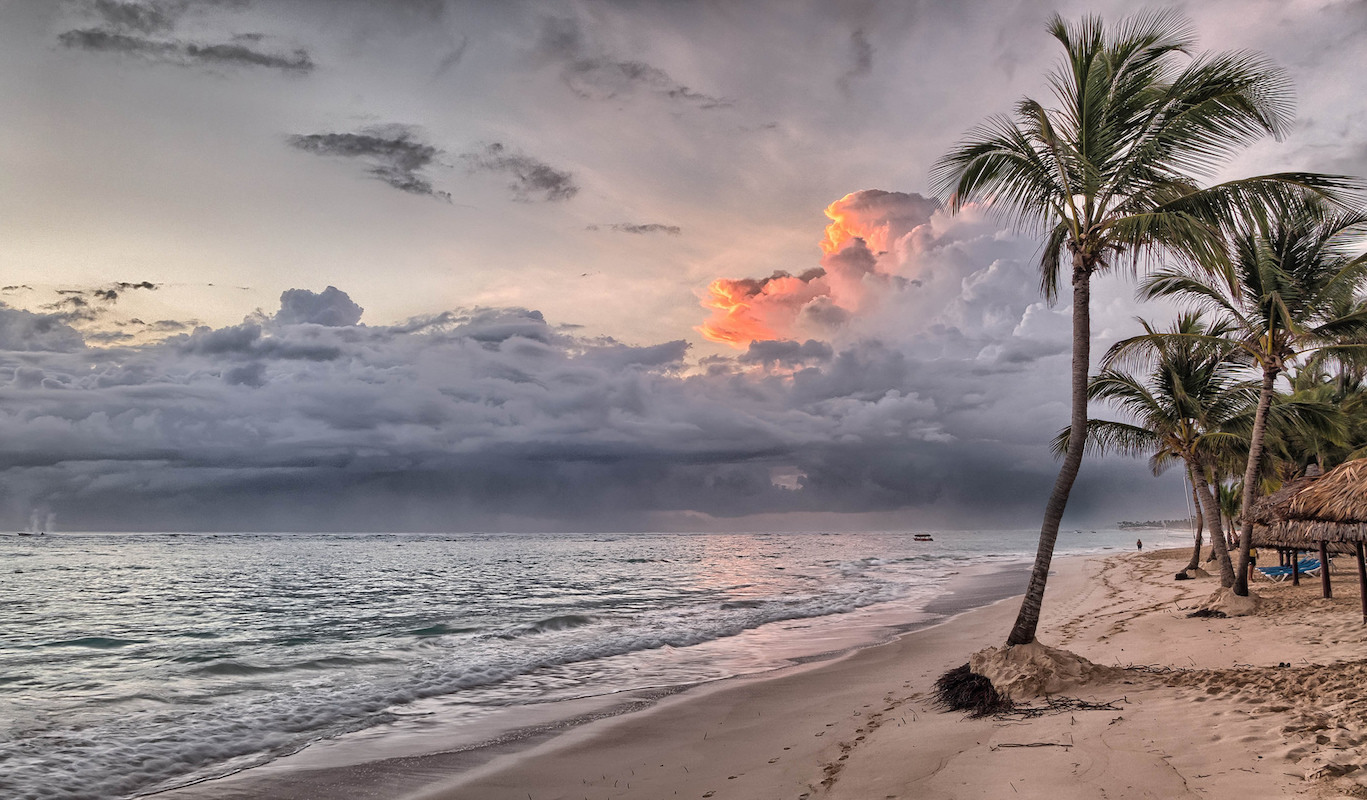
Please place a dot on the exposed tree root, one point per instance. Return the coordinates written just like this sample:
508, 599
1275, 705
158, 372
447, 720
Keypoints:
961, 689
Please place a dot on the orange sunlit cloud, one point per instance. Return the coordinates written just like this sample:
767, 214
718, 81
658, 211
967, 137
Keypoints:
745, 310
864, 226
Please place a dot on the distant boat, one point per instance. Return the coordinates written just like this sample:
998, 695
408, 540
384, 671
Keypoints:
922, 537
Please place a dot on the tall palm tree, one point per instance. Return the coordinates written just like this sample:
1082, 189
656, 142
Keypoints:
1181, 410
1292, 288
1110, 172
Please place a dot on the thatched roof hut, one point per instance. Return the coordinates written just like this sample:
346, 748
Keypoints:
1331, 508
1326, 512
1273, 508
1270, 511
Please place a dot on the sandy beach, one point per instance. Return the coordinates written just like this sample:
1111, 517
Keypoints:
1201, 709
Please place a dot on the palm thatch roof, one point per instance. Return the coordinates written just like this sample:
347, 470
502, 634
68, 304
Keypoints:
1328, 508
1340, 495
1273, 508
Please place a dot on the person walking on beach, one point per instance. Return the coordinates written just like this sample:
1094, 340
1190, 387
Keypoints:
1139, 544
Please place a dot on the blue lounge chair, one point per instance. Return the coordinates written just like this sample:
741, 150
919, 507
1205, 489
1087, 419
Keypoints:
1307, 566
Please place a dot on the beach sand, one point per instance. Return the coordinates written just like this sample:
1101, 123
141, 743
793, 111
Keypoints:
1208, 714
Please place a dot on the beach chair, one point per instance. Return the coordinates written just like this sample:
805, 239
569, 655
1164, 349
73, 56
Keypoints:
1277, 574
1307, 566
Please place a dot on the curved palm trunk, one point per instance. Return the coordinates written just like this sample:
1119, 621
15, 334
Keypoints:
1217, 533
1027, 620
1195, 561
1255, 463
1211, 508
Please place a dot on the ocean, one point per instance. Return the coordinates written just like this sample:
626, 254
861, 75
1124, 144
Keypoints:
134, 663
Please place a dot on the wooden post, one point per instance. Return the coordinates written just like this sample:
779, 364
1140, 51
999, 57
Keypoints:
1324, 569
1295, 567
1362, 582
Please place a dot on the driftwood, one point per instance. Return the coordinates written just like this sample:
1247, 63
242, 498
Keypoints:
1055, 705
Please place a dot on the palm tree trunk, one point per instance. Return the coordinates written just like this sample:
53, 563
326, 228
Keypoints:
1027, 620
1218, 532
1211, 508
1200, 518
1254, 468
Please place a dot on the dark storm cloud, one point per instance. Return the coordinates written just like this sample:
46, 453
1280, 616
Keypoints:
597, 76
185, 53
641, 228
305, 419
458, 419
464, 415
394, 154
530, 175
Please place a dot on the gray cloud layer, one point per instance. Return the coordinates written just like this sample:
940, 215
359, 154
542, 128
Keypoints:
495, 418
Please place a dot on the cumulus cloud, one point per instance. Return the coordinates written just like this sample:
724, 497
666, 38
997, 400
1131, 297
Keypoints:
330, 307
394, 154
865, 253
530, 176
25, 331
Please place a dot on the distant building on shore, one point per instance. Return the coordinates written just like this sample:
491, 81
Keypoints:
1158, 524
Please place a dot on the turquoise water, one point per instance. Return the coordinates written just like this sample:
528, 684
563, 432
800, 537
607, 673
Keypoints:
131, 663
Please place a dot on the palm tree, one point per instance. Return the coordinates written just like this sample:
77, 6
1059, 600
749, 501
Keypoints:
1182, 412
1291, 289
1344, 389
1110, 171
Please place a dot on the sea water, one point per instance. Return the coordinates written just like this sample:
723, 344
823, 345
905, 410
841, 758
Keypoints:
132, 663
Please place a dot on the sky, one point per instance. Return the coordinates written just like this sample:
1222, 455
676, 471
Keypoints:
597, 265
